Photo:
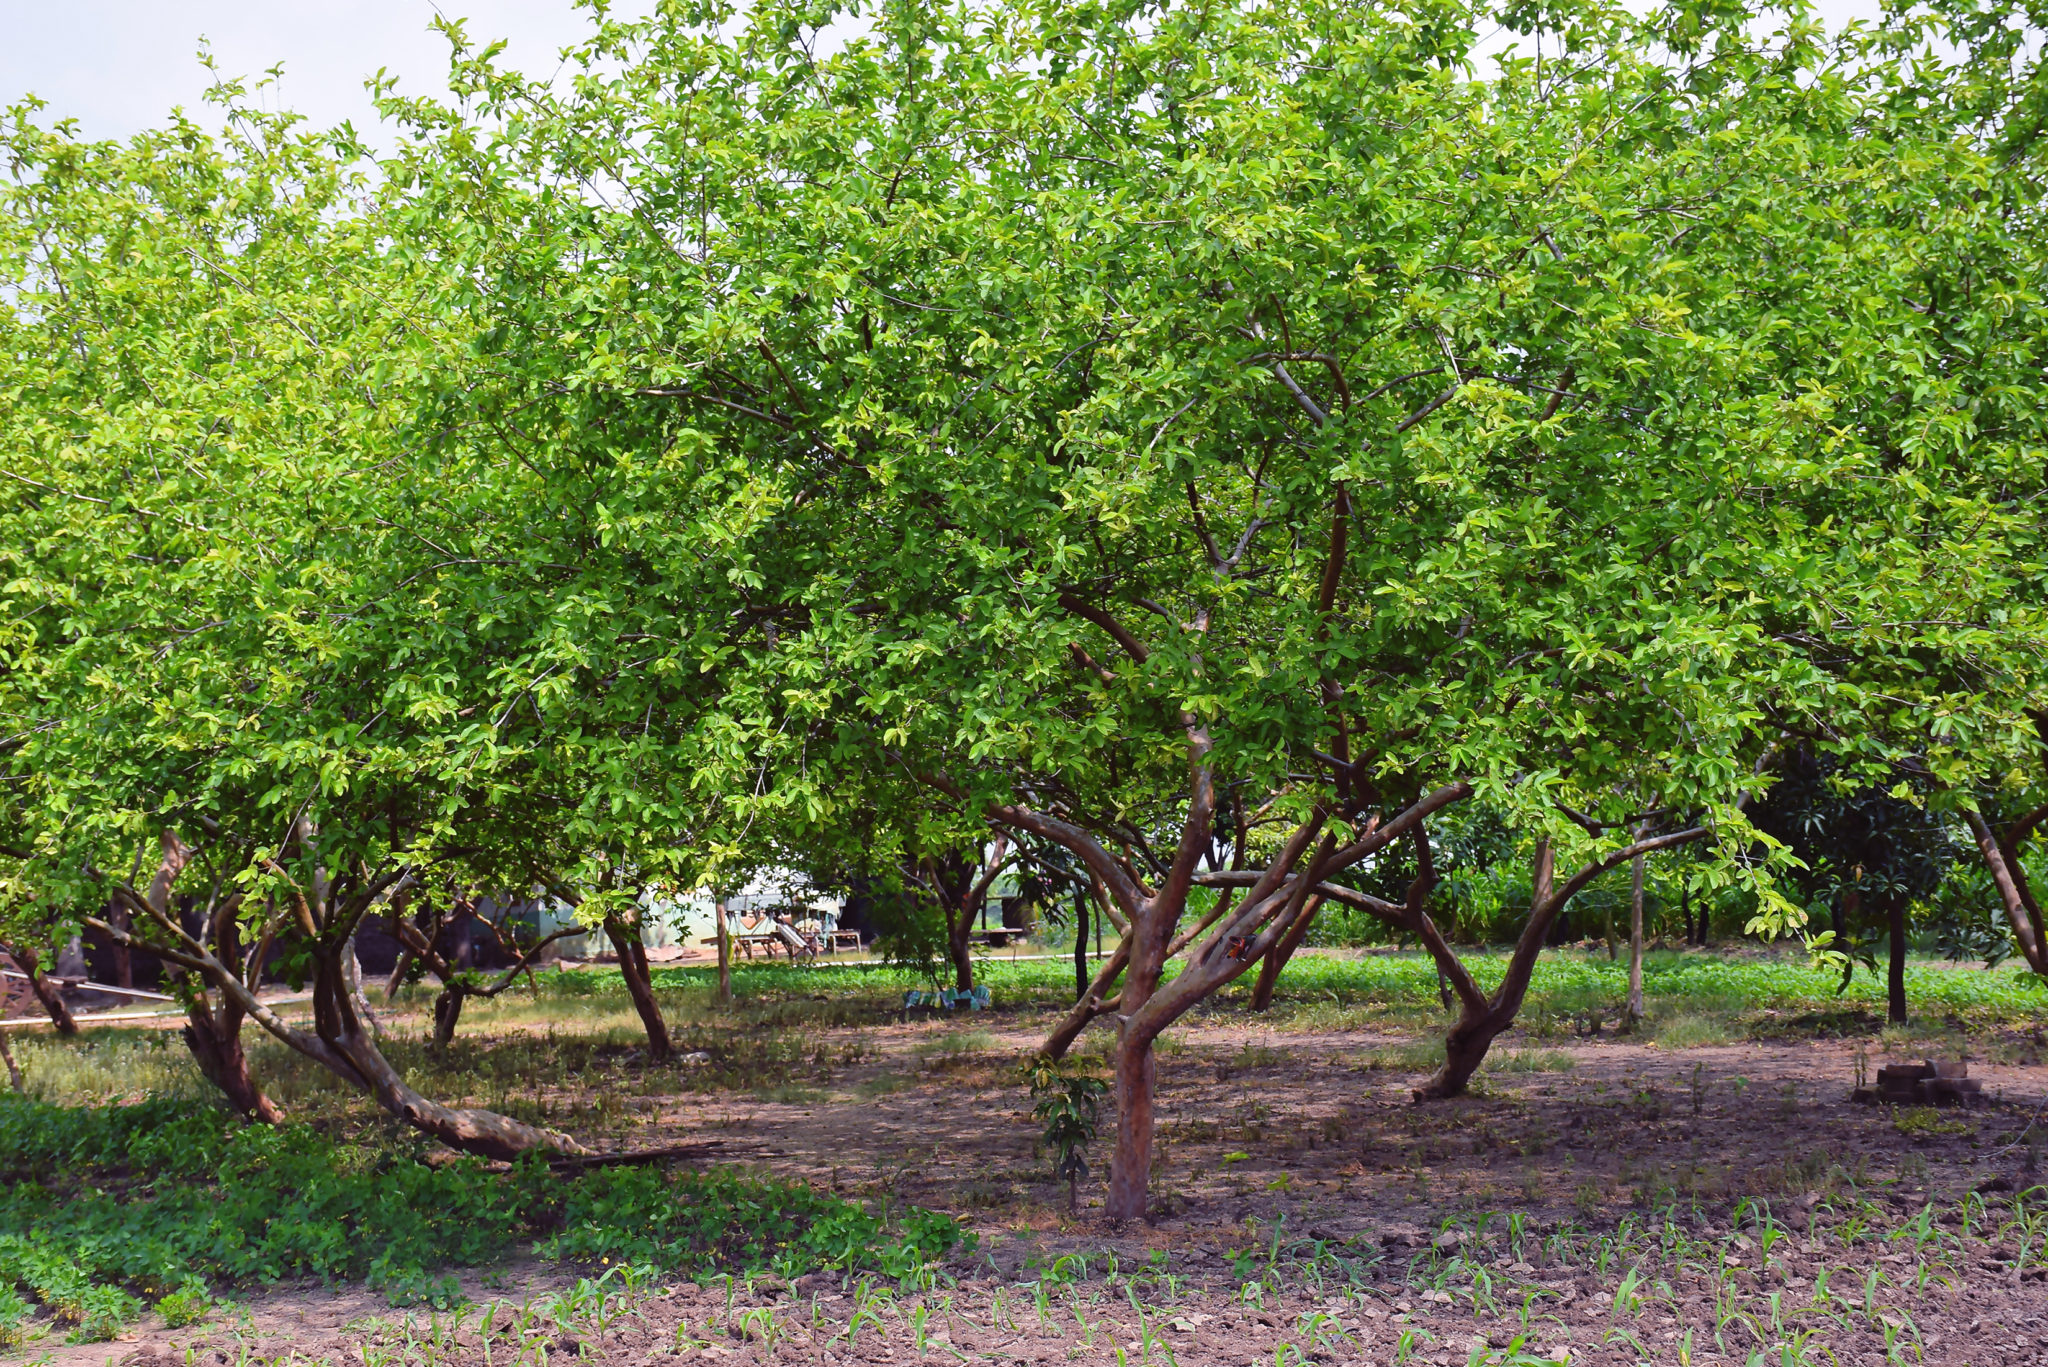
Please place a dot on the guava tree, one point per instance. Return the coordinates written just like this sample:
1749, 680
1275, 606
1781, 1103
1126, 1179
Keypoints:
253, 715
1215, 441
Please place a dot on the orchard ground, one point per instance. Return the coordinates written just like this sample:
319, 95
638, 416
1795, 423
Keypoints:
1700, 1190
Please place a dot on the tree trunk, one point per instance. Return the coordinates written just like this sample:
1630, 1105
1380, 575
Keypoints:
447, 1012
1130, 1171
640, 987
14, 1069
1080, 946
215, 1039
2009, 875
124, 960
960, 949
1895, 979
1635, 938
352, 970
1092, 1003
1277, 957
47, 992
724, 953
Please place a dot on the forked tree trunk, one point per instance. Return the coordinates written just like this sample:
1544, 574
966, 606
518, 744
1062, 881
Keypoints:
346, 1045
640, 987
47, 992
1895, 978
447, 1014
1277, 957
214, 1035
1137, 1072
340, 1040
1483, 1017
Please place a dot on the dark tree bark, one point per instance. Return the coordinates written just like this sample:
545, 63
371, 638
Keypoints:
124, 960
962, 889
14, 1078
1080, 945
1895, 978
47, 992
640, 986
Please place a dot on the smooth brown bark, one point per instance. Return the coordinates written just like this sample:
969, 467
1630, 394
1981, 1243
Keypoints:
1277, 957
14, 1078
214, 1035
2000, 852
1093, 1003
640, 987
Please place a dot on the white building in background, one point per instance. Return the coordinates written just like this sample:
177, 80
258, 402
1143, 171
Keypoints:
690, 920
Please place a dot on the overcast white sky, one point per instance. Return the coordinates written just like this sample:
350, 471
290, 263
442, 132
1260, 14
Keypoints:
121, 65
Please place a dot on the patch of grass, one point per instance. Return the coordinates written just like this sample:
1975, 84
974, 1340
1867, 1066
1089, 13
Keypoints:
791, 1095
1925, 1120
1693, 1031
882, 1084
955, 1044
107, 1065
1528, 1061
1414, 1056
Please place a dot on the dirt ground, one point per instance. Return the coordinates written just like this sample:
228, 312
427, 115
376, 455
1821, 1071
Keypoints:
1598, 1201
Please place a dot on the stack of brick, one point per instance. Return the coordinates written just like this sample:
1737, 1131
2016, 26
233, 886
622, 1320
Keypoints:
1944, 1083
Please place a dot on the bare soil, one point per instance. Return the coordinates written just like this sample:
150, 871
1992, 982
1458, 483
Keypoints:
1301, 1204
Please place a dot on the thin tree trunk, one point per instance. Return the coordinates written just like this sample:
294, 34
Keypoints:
13, 1068
1895, 979
960, 949
1848, 907
1635, 938
1080, 946
724, 954
47, 992
640, 987
2009, 876
352, 969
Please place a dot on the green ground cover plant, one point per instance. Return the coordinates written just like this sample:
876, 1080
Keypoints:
1563, 982
105, 1207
